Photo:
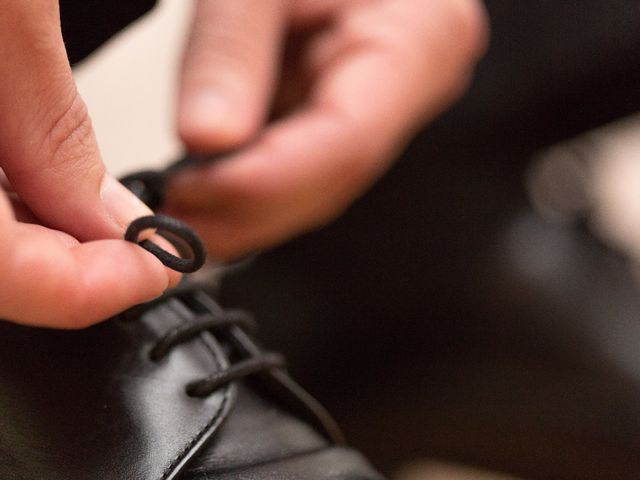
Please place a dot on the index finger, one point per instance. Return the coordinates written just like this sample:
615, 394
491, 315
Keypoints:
47, 143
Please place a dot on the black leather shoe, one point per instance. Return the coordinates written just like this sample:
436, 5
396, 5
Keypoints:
174, 389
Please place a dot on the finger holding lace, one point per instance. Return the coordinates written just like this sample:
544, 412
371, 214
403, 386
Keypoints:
50, 279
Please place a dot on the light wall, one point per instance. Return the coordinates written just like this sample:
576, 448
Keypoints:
129, 87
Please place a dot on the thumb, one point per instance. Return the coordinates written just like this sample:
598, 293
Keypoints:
48, 147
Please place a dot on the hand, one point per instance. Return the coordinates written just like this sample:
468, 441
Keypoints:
349, 82
59, 189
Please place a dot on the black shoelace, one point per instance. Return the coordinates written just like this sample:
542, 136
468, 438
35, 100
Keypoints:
217, 321
149, 186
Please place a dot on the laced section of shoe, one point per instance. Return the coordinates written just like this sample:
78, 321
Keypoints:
150, 187
219, 322
233, 327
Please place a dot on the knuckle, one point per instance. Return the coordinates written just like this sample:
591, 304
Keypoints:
69, 141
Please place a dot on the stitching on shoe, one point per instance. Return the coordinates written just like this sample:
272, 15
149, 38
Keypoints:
210, 424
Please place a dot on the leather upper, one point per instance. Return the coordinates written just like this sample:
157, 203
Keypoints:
91, 404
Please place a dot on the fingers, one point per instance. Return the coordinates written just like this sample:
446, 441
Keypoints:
230, 69
297, 175
49, 279
47, 144
382, 71
396, 66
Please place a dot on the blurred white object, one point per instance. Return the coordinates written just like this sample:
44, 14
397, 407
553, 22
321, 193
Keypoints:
597, 177
559, 182
129, 87
432, 470
616, 186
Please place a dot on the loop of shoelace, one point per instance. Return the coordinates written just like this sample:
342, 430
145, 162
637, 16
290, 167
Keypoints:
174, 226
150, 187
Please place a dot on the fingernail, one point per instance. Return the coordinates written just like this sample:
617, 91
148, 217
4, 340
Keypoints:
121, 205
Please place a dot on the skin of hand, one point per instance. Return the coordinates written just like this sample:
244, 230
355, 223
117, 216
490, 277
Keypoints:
61, 215
315, 98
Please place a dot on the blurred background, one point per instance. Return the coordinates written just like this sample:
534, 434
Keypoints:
480, 305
